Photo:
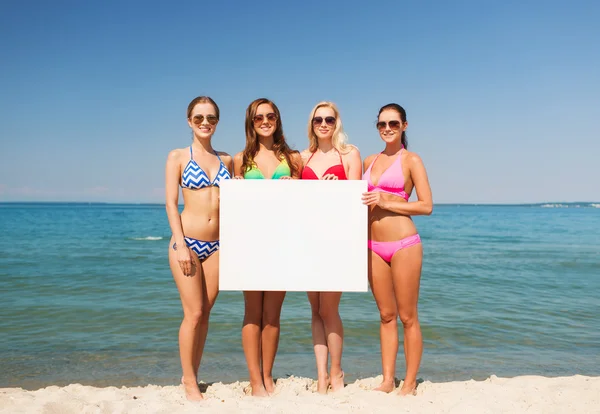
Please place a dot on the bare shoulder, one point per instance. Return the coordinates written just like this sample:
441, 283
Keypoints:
224, 155
352, 152
296, 156
413, 158
305, 155
175, 154
368, 160
237, 158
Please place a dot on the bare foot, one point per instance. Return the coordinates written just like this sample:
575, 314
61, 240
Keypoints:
322, 385
258, 390
337, 382
385, 386
408, 389
269, 384
192, 392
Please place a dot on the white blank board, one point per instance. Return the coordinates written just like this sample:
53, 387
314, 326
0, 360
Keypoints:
293, 235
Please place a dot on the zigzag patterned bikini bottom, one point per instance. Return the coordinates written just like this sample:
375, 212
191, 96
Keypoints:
202, 248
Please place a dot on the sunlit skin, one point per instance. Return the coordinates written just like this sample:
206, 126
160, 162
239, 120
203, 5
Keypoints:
395, 285
196, 282
261, 327
326, 323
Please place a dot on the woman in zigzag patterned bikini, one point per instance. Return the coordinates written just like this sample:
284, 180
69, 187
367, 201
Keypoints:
193, 249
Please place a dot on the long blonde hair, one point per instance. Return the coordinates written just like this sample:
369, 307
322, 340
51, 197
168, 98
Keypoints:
338, 139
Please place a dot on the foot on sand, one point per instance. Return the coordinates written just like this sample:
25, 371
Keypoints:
192, 392
408, 389
258, 390
322, 385
269, 384
337, 382
385, 386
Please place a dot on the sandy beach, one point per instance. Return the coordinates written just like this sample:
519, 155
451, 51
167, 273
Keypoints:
531, 394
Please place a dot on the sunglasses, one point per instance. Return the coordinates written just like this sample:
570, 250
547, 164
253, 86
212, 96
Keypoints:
318, 120
392, 124
211, 119
271, 117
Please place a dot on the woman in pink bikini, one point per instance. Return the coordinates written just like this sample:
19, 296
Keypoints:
328, 157
396, 251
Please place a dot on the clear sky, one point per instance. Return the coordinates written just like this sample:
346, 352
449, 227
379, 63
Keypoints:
502, 98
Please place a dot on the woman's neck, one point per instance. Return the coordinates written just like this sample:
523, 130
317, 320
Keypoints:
202, 145
265, 143
324, 144
392, 148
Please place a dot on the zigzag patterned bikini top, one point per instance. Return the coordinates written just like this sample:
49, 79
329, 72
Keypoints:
194, 177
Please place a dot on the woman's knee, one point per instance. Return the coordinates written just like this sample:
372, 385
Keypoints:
206, 312
388, 316
194, 316
271, 317
328, 313
253, 315
408, 317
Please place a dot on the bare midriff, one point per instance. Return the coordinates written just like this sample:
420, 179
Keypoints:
200, 215
385, 225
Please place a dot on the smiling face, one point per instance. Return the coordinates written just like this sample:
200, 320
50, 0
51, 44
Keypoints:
391, 126
203, 120
265, 120
324, 122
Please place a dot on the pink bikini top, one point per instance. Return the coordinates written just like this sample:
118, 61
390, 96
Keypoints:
391, 180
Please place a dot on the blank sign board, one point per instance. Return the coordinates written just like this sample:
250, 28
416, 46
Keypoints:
293, 235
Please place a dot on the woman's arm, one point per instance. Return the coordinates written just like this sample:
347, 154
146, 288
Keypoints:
172, 174
355, 167
397, 204
305, 155
237, 165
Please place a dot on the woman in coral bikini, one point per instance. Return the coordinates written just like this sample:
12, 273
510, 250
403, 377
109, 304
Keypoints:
396, 251
328, 157
193, 249
266, 156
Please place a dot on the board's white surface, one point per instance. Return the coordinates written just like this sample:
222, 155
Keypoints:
293, 235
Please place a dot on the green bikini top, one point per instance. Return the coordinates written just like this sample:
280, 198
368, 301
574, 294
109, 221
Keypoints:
282, 170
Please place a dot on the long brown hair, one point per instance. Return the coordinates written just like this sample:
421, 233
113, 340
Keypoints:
280, 147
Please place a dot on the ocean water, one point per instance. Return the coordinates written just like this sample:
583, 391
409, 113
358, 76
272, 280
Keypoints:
87, 297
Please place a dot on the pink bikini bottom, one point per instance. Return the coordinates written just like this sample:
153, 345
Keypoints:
386, 250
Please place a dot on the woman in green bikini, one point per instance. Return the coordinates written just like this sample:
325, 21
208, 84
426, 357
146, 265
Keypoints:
266, 156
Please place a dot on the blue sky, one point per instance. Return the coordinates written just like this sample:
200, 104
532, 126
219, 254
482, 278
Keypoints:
502, 98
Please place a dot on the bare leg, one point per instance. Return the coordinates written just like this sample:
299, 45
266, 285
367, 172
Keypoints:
319, 342
330, 302
272, 302
251, 340
190, 292
406, 268
210, 291
380, 279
